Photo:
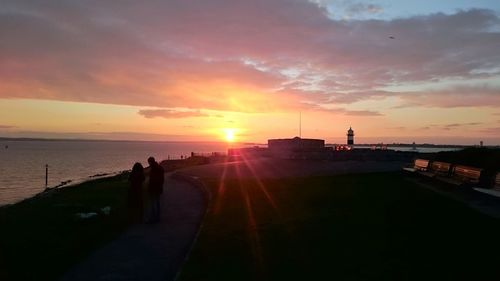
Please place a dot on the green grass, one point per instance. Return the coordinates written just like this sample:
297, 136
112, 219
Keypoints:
350, 227
41, 238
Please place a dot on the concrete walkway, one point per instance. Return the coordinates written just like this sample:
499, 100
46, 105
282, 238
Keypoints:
150, 251
481, 202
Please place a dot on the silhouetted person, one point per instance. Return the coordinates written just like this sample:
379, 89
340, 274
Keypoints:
155, 188
135, 200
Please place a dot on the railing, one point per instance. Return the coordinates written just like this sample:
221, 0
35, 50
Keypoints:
208, 154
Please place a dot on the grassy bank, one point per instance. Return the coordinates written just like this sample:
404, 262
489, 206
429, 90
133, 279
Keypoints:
349, 227
41, 238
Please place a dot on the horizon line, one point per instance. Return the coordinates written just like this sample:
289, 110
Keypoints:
249, 143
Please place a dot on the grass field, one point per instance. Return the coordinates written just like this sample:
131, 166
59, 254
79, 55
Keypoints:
41, 238
376, 226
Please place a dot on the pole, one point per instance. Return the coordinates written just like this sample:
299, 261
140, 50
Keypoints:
300, 124
46, 175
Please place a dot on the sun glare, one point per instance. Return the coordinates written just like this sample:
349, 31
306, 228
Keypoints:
229, 135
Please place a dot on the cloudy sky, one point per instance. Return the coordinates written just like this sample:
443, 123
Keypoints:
396, 71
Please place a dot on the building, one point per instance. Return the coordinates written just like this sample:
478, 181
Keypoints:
350, 136
296, 148
251, 152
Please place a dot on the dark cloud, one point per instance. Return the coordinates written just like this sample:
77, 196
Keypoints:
492, 131
344, 111
7, 127
103, 136
454, 125
170, 114
451, 126
453, 97
464, 124
397, 128
355, 96
363, 8
362, 113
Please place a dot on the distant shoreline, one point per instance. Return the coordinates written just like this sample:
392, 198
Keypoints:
107, 140
244, 143
427, 145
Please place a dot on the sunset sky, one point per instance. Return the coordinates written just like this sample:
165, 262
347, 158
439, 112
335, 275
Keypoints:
396, 71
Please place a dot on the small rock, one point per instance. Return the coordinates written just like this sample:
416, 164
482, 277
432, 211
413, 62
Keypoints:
86, 215
106, 210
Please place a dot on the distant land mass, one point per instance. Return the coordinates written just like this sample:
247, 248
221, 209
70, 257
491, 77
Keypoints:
245, 143
418, 145
107, 140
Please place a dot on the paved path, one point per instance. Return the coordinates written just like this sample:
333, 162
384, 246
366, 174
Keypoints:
150, 251
484, 203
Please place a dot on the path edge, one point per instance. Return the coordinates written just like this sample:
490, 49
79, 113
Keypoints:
194, 181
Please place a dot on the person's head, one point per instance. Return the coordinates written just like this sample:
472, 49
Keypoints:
151, 161
137, 168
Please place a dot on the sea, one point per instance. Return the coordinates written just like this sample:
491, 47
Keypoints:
419, 149
23, 162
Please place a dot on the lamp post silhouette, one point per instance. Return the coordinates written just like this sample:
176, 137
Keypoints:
46, 175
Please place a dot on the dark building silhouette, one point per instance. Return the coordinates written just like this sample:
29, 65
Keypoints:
296, 148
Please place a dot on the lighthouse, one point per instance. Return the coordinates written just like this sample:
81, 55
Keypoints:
350, 136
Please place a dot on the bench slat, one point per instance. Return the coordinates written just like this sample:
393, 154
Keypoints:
441, 167
421, 164
467, 174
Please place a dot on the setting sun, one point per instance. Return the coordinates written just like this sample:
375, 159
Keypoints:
229, 135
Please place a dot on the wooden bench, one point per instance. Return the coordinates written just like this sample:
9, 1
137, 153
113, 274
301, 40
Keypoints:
495, 190
440, 168
419, 165
466, 174
496, 184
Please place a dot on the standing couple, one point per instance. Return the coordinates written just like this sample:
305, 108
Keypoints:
154, 191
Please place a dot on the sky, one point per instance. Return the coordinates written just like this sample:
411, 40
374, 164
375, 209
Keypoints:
177, 70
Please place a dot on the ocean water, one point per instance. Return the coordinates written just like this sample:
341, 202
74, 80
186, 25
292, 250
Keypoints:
22, 164
418, 148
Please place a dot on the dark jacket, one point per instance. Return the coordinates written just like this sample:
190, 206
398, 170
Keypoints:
135, 203
156, 179
136, 180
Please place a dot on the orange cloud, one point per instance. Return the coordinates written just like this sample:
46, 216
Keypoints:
246, 56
